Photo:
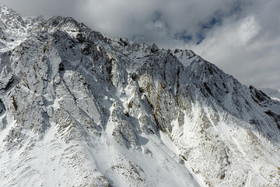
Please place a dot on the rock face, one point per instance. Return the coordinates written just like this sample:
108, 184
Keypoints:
81, 109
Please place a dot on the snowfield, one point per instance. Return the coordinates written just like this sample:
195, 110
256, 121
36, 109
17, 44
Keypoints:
78, 108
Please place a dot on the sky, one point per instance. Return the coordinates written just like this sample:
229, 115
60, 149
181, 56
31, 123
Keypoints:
242, 37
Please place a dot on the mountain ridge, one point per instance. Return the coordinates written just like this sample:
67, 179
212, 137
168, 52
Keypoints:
79, 108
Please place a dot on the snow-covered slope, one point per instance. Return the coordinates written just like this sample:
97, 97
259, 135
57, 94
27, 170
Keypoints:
81, 109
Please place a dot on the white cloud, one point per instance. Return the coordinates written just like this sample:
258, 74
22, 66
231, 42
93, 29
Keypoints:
245, 49
248, 29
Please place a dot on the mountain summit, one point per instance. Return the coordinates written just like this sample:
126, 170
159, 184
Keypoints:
81, 109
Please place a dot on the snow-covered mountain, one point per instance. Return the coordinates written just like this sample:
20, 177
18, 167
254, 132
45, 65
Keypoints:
81, 109
273, 94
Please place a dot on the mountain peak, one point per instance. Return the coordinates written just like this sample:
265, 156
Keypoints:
78, 108
10, 18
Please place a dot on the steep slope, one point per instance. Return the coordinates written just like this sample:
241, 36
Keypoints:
82, 109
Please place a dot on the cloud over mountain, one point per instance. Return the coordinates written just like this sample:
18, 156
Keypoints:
241, 37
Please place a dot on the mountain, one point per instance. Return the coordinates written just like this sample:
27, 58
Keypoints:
78, 108
273, 94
